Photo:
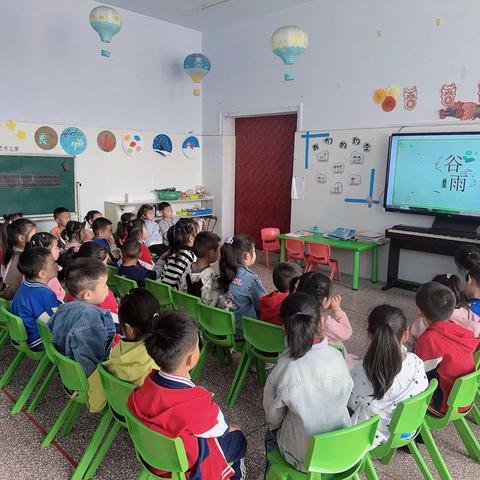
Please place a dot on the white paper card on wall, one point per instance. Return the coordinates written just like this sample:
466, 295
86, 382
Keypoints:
357, 158
338, 167
337, 187
322, 156
298, 188
321, 178
354, 180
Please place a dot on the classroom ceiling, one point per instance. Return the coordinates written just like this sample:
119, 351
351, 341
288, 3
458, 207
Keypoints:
204, 15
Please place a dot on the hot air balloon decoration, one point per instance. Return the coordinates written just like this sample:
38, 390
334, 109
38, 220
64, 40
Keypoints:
106, 21
289, 42
196, 66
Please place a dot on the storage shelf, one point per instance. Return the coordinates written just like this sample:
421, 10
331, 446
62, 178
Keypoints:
156, 200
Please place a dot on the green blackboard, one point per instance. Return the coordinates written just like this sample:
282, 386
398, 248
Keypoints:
36, 185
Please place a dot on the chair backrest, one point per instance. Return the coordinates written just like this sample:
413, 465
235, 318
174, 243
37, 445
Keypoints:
16, 328
157, 450
112, 271
4, 307
161, 291
187, 303
320, 251
124, 285
295, 246
47, 339
263, 337
462, 394
408, 417
116, 391
269, 234
215, 320
341, 450
72, 375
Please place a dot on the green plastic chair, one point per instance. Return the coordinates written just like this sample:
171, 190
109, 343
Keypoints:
124, 285
161, 291
475, 408
117, 392
18, 337
336, 455
112, 285
218, 328
184, 301
261, 338
156, 450
462, 394
4, 336
404, 426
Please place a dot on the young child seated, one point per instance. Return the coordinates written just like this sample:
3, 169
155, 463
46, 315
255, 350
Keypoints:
199, 278
90, 217
62, 216
74, 235
129, 360
462, 315
307, 391
18, 234
240, 288
102, 231
466, 257
181, 237
337, 328
472, 289
389, 374
270, 304
130, 267
169, 402
137, 230
154, 240
81, 330
123, 226
445, 347
47, 240
168, 220
34, 298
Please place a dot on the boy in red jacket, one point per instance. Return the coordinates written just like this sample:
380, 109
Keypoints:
170, 403
445, 347
270, 304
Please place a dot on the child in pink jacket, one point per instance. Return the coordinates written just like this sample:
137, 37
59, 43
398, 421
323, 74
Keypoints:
462, 315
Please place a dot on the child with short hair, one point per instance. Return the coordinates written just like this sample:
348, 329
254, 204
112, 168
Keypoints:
102, 231
181, 237
337, 328
90, 217
81, 330
389, 374
307, 391
129, 360
130, 267
34, 297
62, 216
445, 347
270, 304
154, 239
462, 315
74, 235
47, 240
18, 234
472, 289
466, 257
169, 402
168, 219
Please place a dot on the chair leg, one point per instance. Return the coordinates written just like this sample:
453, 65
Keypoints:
235, 388
7, 376
468, 438
476, 414
369, 469
71, 420
30, 386
93, 446
240, 379
41, 391
228, 356
197, 371
4, 336
412, 447
58, 423
261, 375
434, 452
220, 355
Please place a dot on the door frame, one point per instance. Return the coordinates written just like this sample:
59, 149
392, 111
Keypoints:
226, 127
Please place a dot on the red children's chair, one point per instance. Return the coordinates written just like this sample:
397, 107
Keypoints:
320, 254
295, 250
270, 242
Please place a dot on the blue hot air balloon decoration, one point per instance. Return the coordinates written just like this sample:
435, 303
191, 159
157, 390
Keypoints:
196, 66
106, 21
289, 42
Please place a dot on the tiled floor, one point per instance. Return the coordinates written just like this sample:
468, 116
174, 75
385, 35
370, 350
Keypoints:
21, 456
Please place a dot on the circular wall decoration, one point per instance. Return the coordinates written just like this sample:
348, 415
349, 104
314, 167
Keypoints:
191, 147
73, 141
132, 143
106, 141
162, 144
46, 138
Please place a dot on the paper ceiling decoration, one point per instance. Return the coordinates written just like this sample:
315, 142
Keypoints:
106, 21
197, 66
289, 42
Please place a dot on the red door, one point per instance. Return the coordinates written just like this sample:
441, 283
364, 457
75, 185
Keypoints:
263, 173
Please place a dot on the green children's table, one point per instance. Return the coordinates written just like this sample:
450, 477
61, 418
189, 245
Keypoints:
352, 245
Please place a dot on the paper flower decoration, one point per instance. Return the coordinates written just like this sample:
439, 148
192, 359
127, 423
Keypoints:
394, 91
379, 95
289, 42
389, 104
387, 97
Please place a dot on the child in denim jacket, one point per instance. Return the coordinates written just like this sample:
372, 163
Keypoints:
240, 288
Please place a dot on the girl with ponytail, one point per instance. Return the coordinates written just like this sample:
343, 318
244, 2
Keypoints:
308, 390
389, 374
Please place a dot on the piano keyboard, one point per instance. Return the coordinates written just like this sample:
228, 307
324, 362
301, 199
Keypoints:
433, 235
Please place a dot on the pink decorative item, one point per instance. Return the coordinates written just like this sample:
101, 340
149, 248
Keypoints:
462, 110
410, 96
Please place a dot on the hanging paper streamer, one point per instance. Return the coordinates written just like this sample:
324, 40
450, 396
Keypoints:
289, 42
73, 141
132, 143
191, 147
162, 144
106, 141
106, 21
196, 66
46, 138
